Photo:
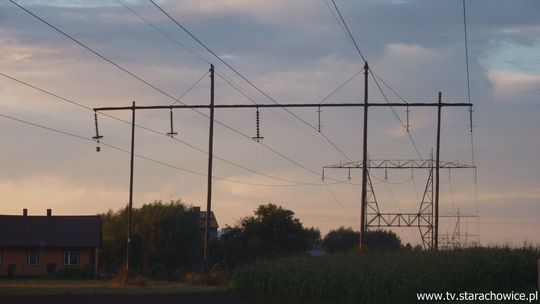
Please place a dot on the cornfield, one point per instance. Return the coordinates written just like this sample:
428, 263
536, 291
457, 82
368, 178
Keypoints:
389, 277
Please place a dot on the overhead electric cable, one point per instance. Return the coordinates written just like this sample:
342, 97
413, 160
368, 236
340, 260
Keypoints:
475, 172
242, 76
340, 204
378, 86
71, 101
348, 32
155, 87
41, 126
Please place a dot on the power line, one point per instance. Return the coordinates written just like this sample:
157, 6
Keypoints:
475, 172
242, 76
46, 128
223, 76
340, 204
336, 18
349, 32
254, 100
397, 117
78, 104
151, 85
163, 32
466, 52
341, 86
376, 82
94, 52
189, 89
229, 81
73, 135
387, 85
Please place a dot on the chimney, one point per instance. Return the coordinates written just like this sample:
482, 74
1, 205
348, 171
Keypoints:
25, 212
49, 212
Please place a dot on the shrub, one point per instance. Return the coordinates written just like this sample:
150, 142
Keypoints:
86, 272
70, 274
215, 277
132, 278
158, 272
51, 269
11, 269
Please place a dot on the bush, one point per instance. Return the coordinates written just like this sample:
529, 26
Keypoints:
158, 272
131, 279
341, 240
215, 277
70, 274
51, 269
86, 272
11, 270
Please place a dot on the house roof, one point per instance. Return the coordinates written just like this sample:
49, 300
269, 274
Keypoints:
213, 221
50, 231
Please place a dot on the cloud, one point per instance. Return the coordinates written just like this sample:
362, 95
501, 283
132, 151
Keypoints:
40, 192
274, 12
295, 51
72, 3
514, 86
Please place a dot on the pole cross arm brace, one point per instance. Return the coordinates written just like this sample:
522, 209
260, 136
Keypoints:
399, 164
380, 220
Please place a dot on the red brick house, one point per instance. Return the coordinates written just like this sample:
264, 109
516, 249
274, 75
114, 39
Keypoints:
32, 242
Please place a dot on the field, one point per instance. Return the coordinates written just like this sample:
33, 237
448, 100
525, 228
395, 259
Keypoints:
368, 277
377, 277
83, 292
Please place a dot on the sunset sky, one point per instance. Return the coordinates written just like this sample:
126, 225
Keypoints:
296, 52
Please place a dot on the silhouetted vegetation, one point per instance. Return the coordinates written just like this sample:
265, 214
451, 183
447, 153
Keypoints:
84, 273
382, 240
345, 240
272, 232
11, 270
341, 240
166, 239
390, 276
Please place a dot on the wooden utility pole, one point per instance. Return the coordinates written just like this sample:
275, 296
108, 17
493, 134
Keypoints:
364, 161
210, 159
437, 180
130, 204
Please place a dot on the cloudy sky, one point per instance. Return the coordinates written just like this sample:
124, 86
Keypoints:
295, 51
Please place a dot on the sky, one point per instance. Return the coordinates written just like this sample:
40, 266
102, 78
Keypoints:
295, 52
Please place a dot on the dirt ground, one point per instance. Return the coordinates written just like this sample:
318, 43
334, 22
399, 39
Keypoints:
181, 298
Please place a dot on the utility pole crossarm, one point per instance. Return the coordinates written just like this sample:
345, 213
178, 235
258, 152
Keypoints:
289, 105
399, 164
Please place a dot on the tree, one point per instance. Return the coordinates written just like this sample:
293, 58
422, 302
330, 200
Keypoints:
346, 239
341, 240
164, 234
273, 231
382, 240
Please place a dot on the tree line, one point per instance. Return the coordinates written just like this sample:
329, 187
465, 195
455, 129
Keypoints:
167, 239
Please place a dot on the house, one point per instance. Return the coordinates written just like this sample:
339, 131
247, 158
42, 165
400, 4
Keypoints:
202, 223
33, 242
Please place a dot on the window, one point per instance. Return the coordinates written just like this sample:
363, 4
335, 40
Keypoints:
71, 258
33, 258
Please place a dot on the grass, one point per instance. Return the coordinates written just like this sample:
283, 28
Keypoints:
55, 287
379, 277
